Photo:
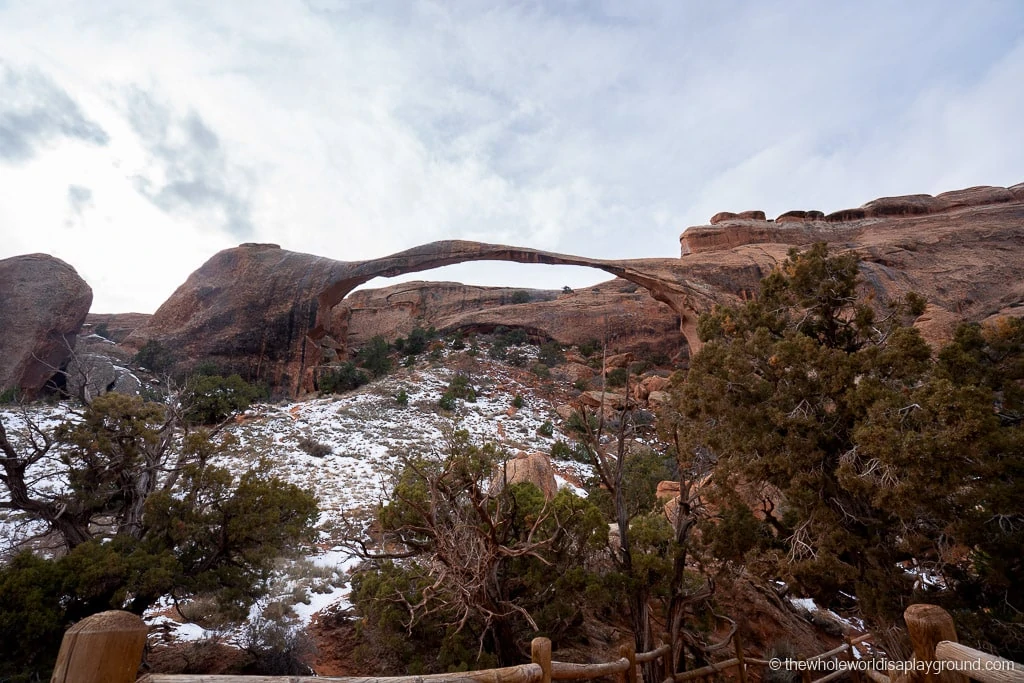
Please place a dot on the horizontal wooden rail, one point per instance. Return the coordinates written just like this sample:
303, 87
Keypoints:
523, 673
108, 632
981, 666
706, 670
831, 653
564, 671
644, 657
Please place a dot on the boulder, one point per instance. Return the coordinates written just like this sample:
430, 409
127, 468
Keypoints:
725, 216
798, 216
656, 399
573, 372
608, 399
42, 309
642, 389
91, 374
619, 360
533, 468
667, 490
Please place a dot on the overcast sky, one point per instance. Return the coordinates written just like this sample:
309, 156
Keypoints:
138, 138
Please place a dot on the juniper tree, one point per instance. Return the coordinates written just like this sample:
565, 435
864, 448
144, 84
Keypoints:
829, 421
132, 510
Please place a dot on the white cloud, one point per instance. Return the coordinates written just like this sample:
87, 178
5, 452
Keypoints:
355, 129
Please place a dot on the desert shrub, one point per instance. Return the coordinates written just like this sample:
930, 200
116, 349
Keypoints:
784, 651
461, 387
560, 450
374, 356
517, 337
582, 384
102, 330
209, 399
580, 425
447, 401
517, 401
154, 357
546, 429
541, 370
459, 342
551, 354
315, 448
417, 342
31, 621
402, 398
589, 348
520, 297
516, 357
277, 649
617, 377
576, 452
340, 379
10, 396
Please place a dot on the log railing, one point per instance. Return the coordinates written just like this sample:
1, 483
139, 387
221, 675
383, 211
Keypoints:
108, 648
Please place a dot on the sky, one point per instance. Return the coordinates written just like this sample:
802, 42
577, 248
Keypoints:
137, 139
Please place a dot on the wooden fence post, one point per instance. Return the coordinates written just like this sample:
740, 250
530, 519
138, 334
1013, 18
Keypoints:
854, 672
102, 648
628, 651
927, 626
540, 653
667, 663
741, 666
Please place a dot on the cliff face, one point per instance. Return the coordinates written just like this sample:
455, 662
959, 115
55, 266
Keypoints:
273, 315
618, 310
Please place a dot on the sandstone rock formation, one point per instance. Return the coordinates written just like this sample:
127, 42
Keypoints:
248, 310
42, 308
533, 468
617, 310
274, 315
962, 250
91, 374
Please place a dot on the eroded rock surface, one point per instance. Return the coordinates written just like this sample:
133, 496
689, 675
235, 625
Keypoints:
962, 250
42, 307
274, 315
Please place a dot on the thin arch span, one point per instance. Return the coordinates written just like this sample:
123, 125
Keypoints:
679, 295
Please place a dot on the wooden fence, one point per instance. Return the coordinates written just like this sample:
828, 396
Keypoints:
108, 648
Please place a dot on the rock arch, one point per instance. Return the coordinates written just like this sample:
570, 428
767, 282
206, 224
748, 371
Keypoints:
681, 296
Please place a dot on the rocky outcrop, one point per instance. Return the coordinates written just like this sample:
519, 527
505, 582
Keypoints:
248, 310
91, 374
617, 310
728, 230
274, 315
724, 216
533, 468
43, 306
963, 250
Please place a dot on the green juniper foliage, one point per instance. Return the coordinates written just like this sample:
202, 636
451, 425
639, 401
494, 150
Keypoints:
858, 451
131, 535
